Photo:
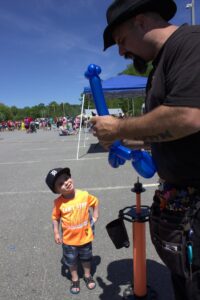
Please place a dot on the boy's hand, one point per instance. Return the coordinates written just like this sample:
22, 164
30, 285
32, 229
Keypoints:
57, 238
94, 219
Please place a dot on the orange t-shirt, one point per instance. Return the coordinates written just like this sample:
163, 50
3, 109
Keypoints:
74, 215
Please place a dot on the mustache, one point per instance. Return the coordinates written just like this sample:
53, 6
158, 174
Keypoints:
139, 63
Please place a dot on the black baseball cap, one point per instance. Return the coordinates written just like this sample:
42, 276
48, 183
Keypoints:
54, 174
121, 10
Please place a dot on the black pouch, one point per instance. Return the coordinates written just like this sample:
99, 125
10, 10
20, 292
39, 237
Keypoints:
169, 238
118, 234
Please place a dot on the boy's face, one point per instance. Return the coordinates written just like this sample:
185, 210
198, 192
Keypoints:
64, 185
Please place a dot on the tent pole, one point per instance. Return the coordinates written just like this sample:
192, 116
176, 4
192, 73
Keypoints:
85, 135
128, 107
79, 134
133, 107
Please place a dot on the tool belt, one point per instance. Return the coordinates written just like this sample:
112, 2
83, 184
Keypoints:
174, 218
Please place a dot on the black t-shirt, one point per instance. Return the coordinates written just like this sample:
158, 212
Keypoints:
175, 81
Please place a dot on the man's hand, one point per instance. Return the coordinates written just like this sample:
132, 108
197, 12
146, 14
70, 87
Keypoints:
106, 129
133, 144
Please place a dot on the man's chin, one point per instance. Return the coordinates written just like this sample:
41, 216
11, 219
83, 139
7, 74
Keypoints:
140, 65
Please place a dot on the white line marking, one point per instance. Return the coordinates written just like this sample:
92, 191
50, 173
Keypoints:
119, 187
35, 149
148, 185
20, 162
39, 161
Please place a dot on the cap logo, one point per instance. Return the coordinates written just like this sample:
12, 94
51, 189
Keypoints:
53, 172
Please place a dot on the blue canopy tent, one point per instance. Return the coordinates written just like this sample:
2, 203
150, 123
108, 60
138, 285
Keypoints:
121, 86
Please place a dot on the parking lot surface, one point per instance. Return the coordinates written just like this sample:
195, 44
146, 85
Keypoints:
29, 258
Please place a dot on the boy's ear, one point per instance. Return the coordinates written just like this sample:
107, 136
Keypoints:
55, 189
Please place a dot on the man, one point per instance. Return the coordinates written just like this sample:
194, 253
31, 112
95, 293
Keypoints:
142, 32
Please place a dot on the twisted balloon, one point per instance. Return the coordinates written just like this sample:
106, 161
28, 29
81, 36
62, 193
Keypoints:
118, 154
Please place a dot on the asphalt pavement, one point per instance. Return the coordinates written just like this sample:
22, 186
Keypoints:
30, 267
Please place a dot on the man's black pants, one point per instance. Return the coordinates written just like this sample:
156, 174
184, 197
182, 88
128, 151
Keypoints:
186, 289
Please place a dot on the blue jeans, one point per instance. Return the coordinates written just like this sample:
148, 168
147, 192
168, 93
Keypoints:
72, 253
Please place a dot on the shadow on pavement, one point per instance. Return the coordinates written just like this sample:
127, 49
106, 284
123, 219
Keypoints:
96, 148
120, 273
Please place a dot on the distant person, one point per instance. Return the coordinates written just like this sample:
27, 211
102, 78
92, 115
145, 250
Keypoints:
32, 127
77, 122
26, 123
72, 208
49, 124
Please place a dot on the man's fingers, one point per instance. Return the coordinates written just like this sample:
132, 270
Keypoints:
106, 145
93, 120
105, 128
133, 144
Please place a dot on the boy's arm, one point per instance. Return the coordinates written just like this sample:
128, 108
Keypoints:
94, 203
57, 237
95, 213
56, 221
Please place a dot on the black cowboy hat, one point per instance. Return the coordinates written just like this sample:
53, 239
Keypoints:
121, 10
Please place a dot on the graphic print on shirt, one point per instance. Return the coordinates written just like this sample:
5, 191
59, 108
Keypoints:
74, 216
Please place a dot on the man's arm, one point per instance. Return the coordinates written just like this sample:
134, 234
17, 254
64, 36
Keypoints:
164, 123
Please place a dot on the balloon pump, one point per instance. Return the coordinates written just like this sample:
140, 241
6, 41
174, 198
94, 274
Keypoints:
138, 215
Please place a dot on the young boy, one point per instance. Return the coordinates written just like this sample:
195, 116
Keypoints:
72, 208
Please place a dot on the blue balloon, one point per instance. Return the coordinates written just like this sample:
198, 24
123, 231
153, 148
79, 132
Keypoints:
95, 83
141, 160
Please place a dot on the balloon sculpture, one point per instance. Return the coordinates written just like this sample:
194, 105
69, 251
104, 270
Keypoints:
118, 154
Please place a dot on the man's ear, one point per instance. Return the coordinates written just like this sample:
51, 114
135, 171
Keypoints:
140, 20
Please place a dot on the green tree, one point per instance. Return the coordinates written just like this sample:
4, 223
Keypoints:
14, 111
5, 113
130, 70
53, 108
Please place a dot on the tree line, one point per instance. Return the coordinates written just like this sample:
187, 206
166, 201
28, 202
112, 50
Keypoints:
54, 109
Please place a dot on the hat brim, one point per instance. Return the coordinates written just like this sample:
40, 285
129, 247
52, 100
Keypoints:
167, 10
63, 171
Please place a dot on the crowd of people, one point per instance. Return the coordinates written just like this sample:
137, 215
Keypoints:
64, 124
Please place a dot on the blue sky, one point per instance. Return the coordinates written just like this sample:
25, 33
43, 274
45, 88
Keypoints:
46, 46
